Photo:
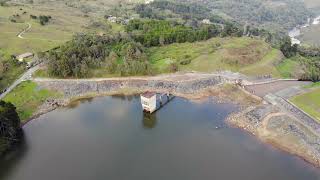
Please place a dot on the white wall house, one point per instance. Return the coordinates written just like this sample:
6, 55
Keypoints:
21, 57
149, 101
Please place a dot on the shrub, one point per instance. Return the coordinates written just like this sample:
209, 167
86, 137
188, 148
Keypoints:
185, 62
33, 17
173, 67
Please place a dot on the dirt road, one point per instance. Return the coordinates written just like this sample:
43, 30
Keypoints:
24, 31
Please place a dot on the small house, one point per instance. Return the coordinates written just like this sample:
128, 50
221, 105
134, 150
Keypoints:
149, 101
112, 19
21, 57
206, 21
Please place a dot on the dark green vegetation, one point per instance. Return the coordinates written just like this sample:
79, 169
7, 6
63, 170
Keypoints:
165, 25
85, 52
10, 130
44, 20
194, 15
302, 63
287, 48
161, 32
122, 53
3, 2
307, 58
272, 15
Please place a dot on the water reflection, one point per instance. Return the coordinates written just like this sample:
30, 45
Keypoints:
10, 159
122, 97
149, 120
75, 104
110, 138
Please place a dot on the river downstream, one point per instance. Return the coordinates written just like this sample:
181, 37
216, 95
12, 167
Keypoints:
295, 33
111, 138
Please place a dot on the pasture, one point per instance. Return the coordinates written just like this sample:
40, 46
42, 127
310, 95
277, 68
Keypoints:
309, 102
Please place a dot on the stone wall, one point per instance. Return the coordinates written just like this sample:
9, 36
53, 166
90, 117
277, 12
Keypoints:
76, 88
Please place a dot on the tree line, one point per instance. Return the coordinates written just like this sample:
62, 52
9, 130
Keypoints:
116, 53
192, 13
309, 59
124, 53
160, 32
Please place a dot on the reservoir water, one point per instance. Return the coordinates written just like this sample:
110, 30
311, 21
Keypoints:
111, 138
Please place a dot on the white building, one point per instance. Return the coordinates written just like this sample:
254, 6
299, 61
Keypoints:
206, 21
149, 101
148, 1
21, 57
112, 19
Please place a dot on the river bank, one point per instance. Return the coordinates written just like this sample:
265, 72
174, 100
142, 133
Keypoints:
267, 122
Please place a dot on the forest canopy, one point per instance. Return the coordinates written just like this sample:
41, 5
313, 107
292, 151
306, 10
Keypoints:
10, 129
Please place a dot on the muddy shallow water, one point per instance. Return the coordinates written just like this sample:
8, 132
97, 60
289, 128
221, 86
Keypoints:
111, 138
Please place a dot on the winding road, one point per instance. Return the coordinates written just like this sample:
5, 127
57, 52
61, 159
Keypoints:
24, 31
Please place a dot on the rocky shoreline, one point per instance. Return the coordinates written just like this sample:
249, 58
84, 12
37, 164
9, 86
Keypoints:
271, 125
267, 122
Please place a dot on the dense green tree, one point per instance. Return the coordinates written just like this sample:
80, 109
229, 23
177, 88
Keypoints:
287, 48
44, 19
10, 130
160, 32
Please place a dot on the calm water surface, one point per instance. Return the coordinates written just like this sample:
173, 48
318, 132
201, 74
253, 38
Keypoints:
110, 138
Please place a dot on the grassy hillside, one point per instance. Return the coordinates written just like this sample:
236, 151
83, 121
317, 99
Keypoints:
27, 97
309, 102
63, 25
252, 57
249, 56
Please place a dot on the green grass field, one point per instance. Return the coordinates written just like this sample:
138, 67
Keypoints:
288, 68
27, 97
60, 29
309, 102
245, 55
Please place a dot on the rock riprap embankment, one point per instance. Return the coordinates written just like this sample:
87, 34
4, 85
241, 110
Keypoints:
178, 84
281, 129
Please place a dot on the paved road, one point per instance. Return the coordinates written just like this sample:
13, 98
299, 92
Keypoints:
26, 76
263, 89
